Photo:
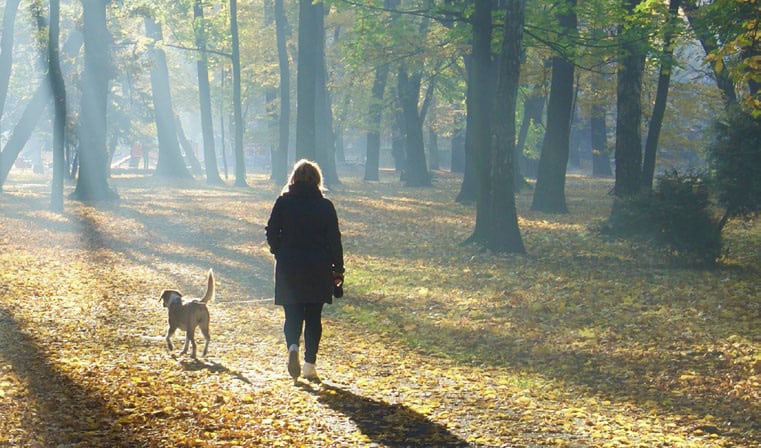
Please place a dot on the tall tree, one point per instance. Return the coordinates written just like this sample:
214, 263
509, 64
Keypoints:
325, 139
372, 160
470, 180
375, 109
306, 80
58, 88
661, 96
549, 195
533, 114
408, 87
409, 83
204, 94
240, 162
479, 103
631, 64
92, 183
280, 157
599, 139
6, 49
700, 24
728, 30
32, 113
170, 161
505, 235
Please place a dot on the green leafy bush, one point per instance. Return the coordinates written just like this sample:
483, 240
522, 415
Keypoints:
676, 215
735, 160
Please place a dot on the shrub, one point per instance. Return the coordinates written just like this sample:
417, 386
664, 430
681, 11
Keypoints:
735, 160
676, 215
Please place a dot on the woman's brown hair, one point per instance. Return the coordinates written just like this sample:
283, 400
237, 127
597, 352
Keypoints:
305, 172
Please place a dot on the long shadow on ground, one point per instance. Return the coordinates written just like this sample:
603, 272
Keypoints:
384, 423
59, 412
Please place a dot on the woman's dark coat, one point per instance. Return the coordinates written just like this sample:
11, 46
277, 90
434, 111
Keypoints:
303, 234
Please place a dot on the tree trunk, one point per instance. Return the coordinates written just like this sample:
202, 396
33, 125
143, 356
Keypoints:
187, 148
240, 161
306, 81
170, 161
631, 64
325, 139
433, 149
457, 160
92, 183
416, 168
661, 96
599, 140
280, 157
709, 44
469, 187
372, 160
6, 49
33, 111
504, 233
479, 108
549, 195
23, 130
533, 107
204, 96
58, 88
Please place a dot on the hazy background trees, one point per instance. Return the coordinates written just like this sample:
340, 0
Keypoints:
414, 86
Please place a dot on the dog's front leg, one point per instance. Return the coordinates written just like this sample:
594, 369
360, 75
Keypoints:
169, 334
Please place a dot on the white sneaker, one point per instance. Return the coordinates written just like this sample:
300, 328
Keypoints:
310, 372
294, 367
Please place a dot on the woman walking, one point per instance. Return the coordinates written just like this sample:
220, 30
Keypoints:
303, 234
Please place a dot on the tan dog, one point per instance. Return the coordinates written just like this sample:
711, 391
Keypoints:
187, 315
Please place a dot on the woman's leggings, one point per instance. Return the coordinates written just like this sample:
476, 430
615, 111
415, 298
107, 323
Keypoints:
309, 317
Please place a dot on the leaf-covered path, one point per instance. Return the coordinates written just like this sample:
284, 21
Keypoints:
583, 342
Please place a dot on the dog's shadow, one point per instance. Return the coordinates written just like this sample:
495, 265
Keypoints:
385, 423
196, 365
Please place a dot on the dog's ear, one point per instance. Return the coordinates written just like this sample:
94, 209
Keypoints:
168, 293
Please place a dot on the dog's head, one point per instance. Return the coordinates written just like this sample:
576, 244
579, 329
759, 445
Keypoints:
168, 295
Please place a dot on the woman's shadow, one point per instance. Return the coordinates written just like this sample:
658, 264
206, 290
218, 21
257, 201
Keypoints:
384, 423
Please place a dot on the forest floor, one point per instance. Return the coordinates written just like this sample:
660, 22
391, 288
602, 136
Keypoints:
584, 341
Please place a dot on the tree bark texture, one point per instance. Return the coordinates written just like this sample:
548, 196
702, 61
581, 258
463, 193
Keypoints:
479, 108
57, 86
631, 64
92, 183
306, 81
549, 195
416, 169
504, 232
661, 97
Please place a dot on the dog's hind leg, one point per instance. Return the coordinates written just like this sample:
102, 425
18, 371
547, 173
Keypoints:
190, 339
206, 336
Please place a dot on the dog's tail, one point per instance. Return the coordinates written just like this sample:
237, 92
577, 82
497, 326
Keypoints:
209, 296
